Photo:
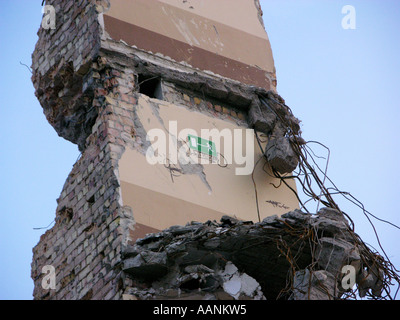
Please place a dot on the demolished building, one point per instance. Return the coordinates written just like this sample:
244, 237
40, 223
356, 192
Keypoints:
134, 220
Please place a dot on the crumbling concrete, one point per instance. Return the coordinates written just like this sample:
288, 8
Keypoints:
295, 256
281, 156
270, 116
318, 285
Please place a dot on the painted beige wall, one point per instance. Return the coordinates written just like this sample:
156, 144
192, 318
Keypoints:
229, 28
159, 202
238, 14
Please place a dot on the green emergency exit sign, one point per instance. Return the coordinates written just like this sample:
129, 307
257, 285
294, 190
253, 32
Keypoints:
202, 145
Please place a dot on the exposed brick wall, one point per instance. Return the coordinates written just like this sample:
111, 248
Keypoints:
85, 243
72, 85
60, 64
76, 37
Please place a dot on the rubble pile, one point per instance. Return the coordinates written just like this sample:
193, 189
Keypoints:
296, 256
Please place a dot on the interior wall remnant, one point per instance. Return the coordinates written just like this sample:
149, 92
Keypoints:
195, 190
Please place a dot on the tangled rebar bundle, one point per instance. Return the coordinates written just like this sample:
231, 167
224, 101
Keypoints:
313, 181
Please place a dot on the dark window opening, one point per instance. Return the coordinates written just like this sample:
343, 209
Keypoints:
150, 86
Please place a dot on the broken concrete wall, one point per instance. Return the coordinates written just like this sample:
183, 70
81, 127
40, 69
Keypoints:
296, 256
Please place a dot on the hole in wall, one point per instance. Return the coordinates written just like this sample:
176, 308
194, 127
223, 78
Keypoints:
150, 86
91, 200
66, 215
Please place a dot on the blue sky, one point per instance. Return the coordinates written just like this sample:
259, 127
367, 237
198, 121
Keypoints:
342, 84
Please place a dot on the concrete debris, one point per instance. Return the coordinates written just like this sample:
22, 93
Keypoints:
270, 116
332, 254
318, 285
261, 119
333, 223
222, 260
201, 282
281, 156
147, 264
239, 284
370, 279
